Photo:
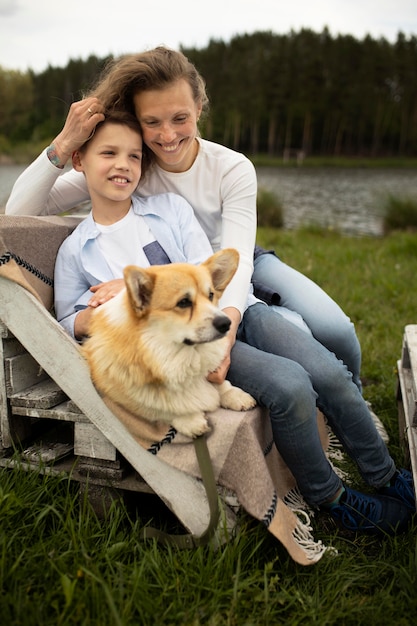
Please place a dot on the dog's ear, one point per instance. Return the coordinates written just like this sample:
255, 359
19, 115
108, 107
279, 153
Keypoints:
139, 285
222, 266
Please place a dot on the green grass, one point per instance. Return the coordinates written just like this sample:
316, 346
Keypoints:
270, 211
60, 565
400, 213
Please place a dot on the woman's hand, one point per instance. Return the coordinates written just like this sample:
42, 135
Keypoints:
219, 375
81, 121
105, 291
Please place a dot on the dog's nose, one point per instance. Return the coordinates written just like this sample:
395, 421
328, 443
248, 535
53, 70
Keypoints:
221, 323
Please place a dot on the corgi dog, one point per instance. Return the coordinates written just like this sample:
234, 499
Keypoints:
151, 348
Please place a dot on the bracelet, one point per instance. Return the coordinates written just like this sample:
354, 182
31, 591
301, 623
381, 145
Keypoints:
53, 156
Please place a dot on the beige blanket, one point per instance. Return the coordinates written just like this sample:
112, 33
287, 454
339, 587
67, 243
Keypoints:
244, 457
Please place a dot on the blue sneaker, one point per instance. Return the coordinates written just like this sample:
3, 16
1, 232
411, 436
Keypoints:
402, 488
376, 515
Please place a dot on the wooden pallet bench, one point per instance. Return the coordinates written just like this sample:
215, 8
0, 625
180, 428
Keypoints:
407, 395
42, 429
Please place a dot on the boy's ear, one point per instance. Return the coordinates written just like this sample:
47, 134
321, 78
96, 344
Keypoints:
76, 161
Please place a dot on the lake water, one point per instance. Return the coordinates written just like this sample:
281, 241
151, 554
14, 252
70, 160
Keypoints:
8, 175
348, 200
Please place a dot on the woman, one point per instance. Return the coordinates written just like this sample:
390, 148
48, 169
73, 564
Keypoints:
288, 370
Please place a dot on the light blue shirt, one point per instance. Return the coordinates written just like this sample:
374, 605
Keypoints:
81, 264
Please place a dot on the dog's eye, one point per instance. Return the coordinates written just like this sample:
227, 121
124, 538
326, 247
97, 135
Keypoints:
185, 303
211, 296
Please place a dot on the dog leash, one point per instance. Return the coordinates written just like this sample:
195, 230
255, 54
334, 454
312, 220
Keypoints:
189, 540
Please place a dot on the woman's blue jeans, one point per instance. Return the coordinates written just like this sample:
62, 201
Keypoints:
326, 320
290, 373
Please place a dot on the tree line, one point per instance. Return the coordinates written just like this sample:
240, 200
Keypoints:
304, 92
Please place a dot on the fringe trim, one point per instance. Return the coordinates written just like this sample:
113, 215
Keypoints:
336, 454
295, 501
303, 536
303, 532
378, 424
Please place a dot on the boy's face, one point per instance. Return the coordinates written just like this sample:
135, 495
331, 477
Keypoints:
111, 162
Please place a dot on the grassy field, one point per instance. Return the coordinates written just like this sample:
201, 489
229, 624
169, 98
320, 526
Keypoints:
60, 565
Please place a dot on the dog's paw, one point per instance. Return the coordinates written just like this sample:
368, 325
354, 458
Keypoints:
192, 426
236, 399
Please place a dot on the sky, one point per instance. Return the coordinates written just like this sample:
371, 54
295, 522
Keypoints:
38, 33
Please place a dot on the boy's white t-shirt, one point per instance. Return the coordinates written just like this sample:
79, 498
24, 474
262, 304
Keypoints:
122, 243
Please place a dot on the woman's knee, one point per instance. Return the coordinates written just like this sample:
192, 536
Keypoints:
292, 394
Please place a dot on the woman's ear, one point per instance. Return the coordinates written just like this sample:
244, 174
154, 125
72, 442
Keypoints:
76, 161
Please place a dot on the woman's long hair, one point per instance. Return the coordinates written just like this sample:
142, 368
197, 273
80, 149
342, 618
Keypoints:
124, 77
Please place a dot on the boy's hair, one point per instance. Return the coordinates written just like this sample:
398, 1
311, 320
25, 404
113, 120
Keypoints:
123, 118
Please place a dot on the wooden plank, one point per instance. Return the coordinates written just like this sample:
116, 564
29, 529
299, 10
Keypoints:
69, 465
410, 360
5, 437
89, 441
89, 463
63, 412
43, 395
73, 407
409, 431
111, 472
402, 424
22, 371
406, 384
42, 452
4, 331
11, 347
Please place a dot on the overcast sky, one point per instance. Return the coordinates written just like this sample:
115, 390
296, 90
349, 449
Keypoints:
38, 33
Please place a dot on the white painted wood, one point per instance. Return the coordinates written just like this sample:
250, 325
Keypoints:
44, 395
89, 441
11, 347
407, 395
410, 361
22, 371
63, 412
408, 431
60, 357
4, 331
4, 411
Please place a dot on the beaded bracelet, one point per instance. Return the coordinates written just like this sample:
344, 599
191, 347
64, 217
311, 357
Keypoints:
53, 156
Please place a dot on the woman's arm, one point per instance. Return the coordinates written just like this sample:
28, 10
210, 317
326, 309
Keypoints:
42, 189
238, 228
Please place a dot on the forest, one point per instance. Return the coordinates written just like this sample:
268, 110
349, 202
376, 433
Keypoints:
303, 93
